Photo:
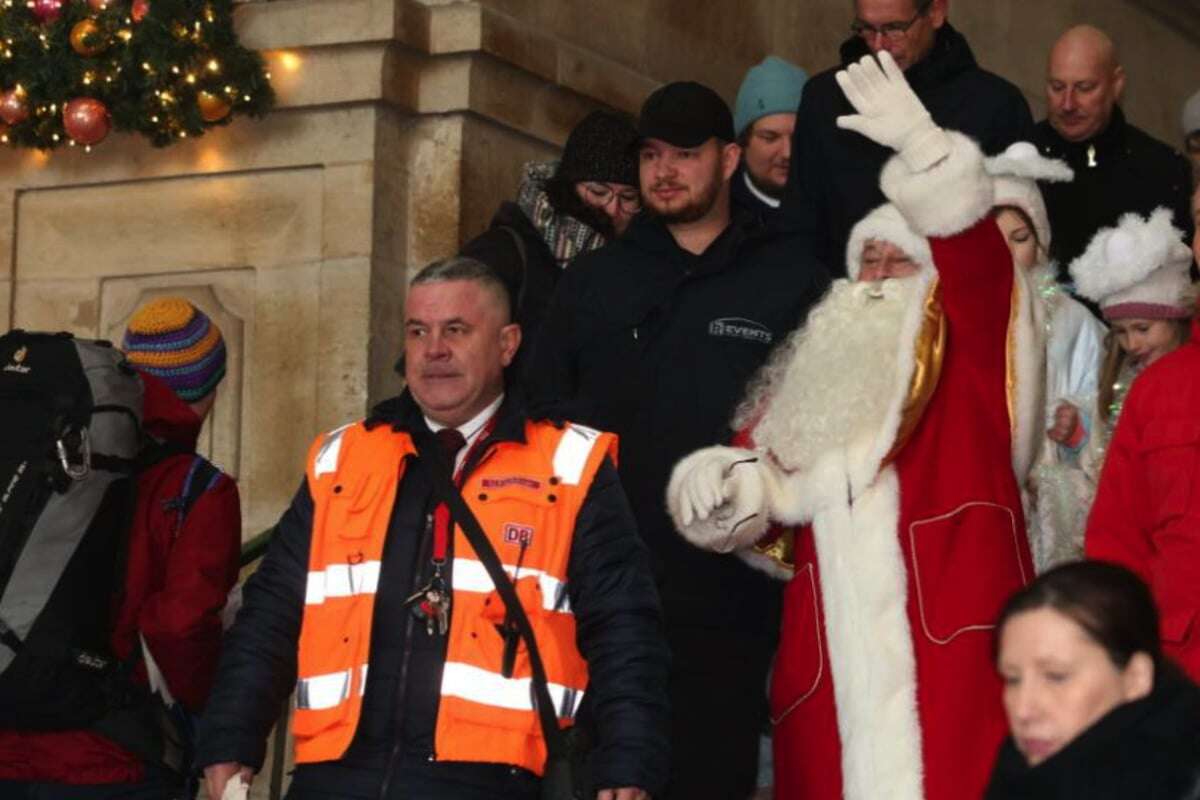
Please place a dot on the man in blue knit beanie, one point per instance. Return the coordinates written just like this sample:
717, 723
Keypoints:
764, 118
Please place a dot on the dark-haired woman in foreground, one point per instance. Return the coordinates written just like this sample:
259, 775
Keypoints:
1094, 709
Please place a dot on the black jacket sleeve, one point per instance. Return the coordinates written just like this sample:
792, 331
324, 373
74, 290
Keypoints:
549, 376
803, 200
257, 671
1012, 122
619, 632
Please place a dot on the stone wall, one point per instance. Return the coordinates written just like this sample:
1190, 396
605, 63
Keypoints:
401, 125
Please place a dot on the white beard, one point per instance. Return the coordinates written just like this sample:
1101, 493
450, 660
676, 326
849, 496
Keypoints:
835, 383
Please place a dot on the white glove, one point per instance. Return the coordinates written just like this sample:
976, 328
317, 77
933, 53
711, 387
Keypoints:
717, 498
889, 112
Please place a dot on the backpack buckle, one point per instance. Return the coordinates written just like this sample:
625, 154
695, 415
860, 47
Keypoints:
76, 472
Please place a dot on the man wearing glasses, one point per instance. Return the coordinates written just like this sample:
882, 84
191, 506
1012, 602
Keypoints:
834, 180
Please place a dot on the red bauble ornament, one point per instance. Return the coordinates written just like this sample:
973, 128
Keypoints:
13, 108
139, 10
86, 120
47, 11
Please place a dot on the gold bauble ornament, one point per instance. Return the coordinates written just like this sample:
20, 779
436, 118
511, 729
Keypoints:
212, 108
81, 33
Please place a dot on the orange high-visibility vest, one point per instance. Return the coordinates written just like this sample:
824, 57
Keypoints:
527, 494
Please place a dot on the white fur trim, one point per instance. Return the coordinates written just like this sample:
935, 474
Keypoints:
946, 199
864, 590
1022, 160
1028, 341
886, 224
1024, 194
1120, 263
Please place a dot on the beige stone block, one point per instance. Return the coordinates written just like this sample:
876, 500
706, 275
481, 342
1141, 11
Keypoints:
454, 28
595, 76
519, 44
494, 157
391, 179
432, 170
282, 140
5, 304
180, 224
57, 305
281, 389
343, 341
524, 102
300, 23
8, 210
347, 206
388, 288
317, 76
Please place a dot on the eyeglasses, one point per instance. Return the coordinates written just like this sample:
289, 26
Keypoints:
602, 194
893, 31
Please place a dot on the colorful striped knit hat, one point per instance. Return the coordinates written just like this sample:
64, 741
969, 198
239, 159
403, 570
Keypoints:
177, 343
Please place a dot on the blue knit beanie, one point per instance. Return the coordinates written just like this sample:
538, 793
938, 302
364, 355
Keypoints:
770, 87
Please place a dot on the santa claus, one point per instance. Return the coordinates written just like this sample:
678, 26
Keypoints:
888, 432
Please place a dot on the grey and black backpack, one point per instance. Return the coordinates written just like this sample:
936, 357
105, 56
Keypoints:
71, 446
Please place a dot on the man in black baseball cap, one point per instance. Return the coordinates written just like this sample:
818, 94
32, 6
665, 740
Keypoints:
654, 337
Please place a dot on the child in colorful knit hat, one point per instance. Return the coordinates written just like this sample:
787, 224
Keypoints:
177, 343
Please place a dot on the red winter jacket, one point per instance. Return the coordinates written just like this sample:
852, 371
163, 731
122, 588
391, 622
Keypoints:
1147, 509
175, 589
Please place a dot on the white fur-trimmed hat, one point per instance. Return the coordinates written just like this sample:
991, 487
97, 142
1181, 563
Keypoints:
1016, 172
1137, 269
886, 224
1191, 115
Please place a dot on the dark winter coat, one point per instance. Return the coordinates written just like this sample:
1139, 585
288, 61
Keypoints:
528, 269
1148, 749
657, 345
834, 180
611, 592
744, 198
176, 583
1122, 169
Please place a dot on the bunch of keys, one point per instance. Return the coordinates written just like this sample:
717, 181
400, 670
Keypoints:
432, 603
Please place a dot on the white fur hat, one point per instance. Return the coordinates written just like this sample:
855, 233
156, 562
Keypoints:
1137, 269
886, 224
1016, 172
1191, 115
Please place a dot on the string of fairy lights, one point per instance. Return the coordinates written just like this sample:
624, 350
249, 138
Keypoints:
73, 70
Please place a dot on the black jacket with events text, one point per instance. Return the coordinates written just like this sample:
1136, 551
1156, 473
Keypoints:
834, 179
657, 345
618, 631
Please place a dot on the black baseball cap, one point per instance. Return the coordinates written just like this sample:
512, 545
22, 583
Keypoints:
685, 114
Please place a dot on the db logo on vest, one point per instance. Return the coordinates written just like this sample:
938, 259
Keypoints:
518, 534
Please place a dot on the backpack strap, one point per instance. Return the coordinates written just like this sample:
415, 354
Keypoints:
519, 244
202, 475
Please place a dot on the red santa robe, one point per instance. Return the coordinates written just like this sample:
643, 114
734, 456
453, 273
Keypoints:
913, 534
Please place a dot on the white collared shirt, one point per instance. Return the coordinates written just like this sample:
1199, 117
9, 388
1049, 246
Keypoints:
759, 193
471, 430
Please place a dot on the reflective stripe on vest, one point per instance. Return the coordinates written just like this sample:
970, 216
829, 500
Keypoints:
342, 580
488, 688
527, 497
471, 576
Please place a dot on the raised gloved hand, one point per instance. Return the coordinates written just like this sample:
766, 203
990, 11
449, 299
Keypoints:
717, 498
890, 113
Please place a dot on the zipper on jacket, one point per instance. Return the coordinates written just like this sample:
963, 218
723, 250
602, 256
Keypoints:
405, 657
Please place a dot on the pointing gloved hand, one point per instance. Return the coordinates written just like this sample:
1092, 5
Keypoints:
890, 113
718, 498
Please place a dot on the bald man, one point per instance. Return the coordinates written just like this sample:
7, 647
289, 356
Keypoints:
1118, 167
